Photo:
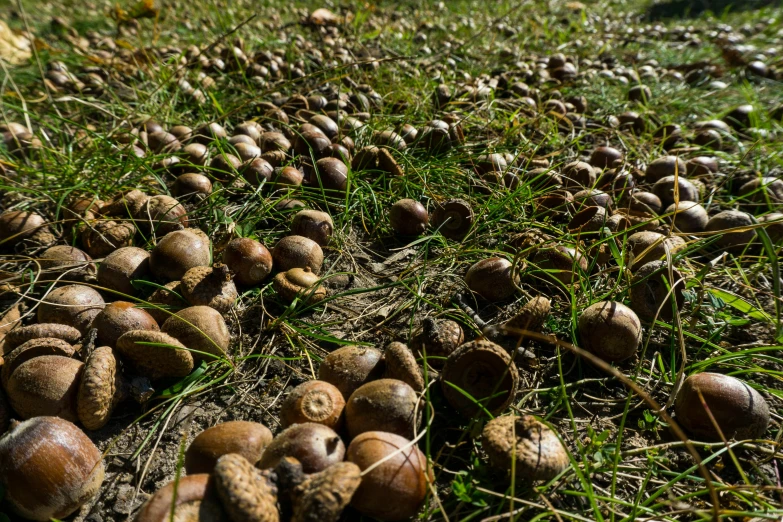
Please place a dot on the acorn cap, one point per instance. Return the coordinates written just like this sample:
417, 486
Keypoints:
528, 445
209, 286
21, 335
482, 369
454, 218
299, 282
323, 496
153, 360
95, 400
400, 364
247, 493
31, 349
532, 315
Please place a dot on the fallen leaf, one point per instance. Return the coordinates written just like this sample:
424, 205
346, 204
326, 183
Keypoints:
14, 48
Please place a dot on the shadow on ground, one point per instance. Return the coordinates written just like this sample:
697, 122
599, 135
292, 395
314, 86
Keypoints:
694, 8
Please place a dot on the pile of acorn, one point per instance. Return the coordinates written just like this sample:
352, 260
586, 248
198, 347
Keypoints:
350, 437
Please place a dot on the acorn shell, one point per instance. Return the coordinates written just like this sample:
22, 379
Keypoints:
438, 338
482, 369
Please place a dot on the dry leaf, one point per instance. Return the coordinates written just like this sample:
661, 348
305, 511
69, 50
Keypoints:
14, 48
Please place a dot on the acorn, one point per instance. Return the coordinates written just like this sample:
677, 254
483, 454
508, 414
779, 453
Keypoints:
248, 260
664, 188
729, 219
493, 279
314, 445
248, 439
155, 354
71, 305
164, 301
395, 488
561, 263
773, 224
104, 237
332, 174
45, 385
687, 216
177, 252
610, 330
119, 317
383, 405
191, 184
48, 468
408, 217
299, 283
437, 339
484, 371
349, 367
644, 204
193, 497
314, 225
161, 214
647, 246
31, 349
763, 192
525, 446
64, 258
649, 291
121, 267
589, 219
200, 328
640, 94
592, 198
313, 401
20, 335
298, 252
739, 411
318, 496
18, 225
605, 157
